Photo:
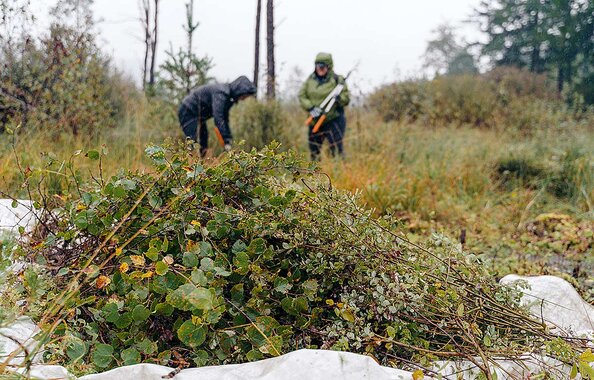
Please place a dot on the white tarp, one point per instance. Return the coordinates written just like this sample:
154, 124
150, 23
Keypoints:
11, 218
556, 302
297, 365
16, 340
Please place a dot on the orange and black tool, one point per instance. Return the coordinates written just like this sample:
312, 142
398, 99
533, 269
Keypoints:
330, 96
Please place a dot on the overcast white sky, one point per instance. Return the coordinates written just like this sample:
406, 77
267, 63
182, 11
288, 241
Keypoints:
387, 37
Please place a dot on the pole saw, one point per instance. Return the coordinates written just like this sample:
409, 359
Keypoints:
327, 104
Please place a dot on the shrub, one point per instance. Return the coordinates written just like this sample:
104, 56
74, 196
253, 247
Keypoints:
574, 179
504, 97
403, 101
60, 82
514, 82
510, 170
464, 99
569, 175
260, 123
251, 258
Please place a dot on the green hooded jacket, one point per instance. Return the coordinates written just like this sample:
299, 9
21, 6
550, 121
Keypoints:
315, 89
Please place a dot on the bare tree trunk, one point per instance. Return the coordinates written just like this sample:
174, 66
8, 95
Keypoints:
145, 20
154, 45
257, 47
270, 72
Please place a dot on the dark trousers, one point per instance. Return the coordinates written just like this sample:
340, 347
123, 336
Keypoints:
193, 127
332, 130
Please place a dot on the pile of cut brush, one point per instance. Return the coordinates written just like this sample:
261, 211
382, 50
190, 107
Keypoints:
250, 257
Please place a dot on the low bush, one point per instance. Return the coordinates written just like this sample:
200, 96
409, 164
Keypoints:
260, 123
523, 170
566, 175
502, 98
250, 258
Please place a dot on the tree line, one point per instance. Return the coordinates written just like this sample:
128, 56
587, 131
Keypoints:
554, 37
61, 77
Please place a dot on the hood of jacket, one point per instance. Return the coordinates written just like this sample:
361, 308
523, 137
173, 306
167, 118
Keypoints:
241, 86
325, 58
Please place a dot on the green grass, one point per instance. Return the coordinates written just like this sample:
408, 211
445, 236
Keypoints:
489, 182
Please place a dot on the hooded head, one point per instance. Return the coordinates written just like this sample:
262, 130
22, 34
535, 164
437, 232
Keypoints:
325, 58
240, 87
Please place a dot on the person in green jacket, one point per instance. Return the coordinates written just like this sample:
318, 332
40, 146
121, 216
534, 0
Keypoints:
313, 92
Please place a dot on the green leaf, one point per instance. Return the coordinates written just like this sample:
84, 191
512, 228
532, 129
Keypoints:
267, 323
190, 259
587, 356
391, 331
155, 201
273, 346
199, 278
128, 184
76, 350
146, 346
254, 355
238, 246
190, 297
191, 334
124, 320
130, 356
487, 341
119, 192
102, 355
110, 312
281, 285
310, 288
140, 313
161, 268
205, 249
347, 315
206, 264
164, 309
201, 358
242, 262
221, 272
93, 155
257, 246
287, 305
460, 310
256, 336
155, 243
152, 254
237, 293
300, 304
585, 370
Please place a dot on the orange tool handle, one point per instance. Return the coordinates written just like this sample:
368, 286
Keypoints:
316, 127
309, 120
219, 137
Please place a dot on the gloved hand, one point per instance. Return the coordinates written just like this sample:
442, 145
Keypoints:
316, 112
228, 147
